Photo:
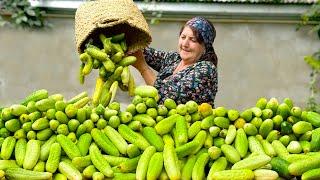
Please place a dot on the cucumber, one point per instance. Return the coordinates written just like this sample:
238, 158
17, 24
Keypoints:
68, 146
142, 167
77, 97
187, 168
167, 124
252, 162
261, 174
155, 166
222, 122
145, 119
313, 118
301, 127
35, 96
45, 104
13, 125
32, 154
40, 124
133, 151
40, 166
149, 92
153, 138
18, 109
116, 139
246, 115
20, 151
97, 91
7, 147
241, 142
96, 54
301, 166
230, 153
130, 165
315, 140
83, 143
88, 171
294, 147
99, 161
187, 149
146, 91
194, 129
255, 145
133, 137
45, 148
104, 142
266, 127
54, 158
118, 37
207, 122
231, 134
19, 173
114, 160
6, 164
218, 165
198, 172
311, 174
280, 149
280, 166
69, 170
170, 162
239, 174
82, 162
268, 148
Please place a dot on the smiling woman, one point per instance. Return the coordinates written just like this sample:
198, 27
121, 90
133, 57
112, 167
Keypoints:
190, 73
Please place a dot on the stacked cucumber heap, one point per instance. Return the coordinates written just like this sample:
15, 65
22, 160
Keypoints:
109, 56
48, 137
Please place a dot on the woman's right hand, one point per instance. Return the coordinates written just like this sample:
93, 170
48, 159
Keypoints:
140, 63
142, 66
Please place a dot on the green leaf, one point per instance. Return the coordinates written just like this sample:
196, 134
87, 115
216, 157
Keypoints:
24, 18
31, 12
2, 23
312, 62
37, 23
18, 21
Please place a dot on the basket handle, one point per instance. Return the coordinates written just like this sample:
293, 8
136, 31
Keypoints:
107, 22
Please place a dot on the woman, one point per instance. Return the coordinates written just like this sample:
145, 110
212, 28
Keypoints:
190, 73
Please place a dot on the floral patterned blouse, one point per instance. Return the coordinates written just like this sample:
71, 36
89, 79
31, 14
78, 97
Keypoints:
198, 82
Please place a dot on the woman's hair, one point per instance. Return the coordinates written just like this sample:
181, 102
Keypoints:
209, 55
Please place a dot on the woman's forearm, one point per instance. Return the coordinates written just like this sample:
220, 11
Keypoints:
141, 65
148, 75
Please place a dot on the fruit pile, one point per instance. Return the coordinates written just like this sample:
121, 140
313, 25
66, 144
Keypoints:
108, 55
47, 136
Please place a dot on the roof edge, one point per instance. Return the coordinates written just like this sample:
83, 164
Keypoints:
218, 12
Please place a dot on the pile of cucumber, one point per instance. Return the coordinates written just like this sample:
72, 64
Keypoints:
108, 55
49, 137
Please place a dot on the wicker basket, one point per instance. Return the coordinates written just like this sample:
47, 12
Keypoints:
111, 17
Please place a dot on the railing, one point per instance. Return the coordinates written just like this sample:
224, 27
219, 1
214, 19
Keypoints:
218, 12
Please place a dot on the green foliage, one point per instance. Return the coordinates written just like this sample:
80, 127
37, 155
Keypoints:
22, 14
314, 63
312, 16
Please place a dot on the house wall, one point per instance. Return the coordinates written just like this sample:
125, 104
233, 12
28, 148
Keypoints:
255, 60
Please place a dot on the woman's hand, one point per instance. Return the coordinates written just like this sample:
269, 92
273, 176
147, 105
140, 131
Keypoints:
140, 63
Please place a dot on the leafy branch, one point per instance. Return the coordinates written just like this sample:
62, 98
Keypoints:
313, 15
22, 14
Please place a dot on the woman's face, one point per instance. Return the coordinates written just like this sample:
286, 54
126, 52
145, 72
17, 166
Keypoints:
190, 49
